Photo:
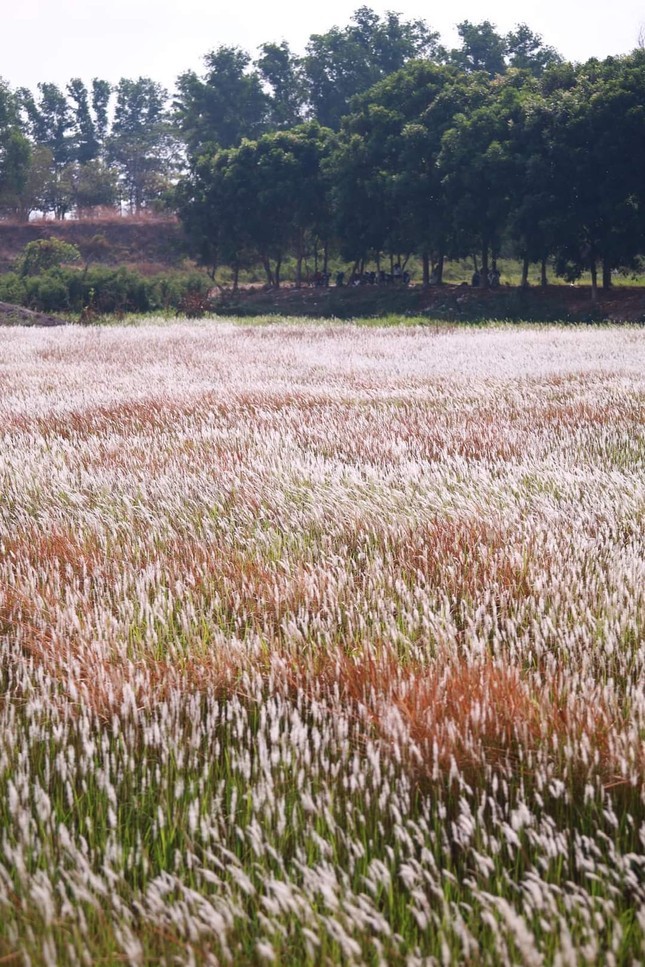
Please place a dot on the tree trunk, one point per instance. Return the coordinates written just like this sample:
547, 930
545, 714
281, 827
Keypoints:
606, 274
594, 279
236, 276
525, 272
426, 270
437, 270
267, 268
483, 275
543, 276
278, 263
299, 271
325, 256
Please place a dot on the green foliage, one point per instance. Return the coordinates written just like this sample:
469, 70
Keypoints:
142, 143
44, 254
225, 105
497, 147
102, 290
15, 151
258, 201
345, 62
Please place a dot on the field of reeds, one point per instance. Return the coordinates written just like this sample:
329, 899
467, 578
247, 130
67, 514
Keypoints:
322, 644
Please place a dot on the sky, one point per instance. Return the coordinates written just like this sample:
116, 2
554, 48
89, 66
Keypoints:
55, 40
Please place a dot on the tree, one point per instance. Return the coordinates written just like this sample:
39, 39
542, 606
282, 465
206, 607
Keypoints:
260, 200
482, 48
51, 124
87, 145
525, 50
344, 62
94, 185
225, 105
101, 92
15, 152
281, 73
212, 215
142, 143
482, 166
44, 254
597, 142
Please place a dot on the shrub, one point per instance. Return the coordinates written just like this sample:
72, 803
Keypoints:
47, 292
12, 289
44, 254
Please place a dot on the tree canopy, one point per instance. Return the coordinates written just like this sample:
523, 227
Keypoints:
375, 141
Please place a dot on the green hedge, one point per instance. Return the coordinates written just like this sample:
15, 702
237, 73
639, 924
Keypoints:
102, 290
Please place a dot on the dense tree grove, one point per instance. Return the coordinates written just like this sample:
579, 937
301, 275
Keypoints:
375, 144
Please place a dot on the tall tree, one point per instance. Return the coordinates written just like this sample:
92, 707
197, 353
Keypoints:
87, 144
225, 105
482, 48
347, 61
265, 197
15, 152
101, 92
526, 50
597, 141
51, 126
142, 143
482, 167
281, 73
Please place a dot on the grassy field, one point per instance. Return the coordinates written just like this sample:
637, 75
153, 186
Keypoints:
322, 644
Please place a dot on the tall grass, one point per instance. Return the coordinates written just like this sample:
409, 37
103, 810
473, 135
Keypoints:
322, 644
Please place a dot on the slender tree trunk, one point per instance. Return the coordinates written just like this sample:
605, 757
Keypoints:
267, 268
606, 274
236, 276
593, 268
483, 275
525, 272
437, 270
299, 257
543, 276
278, 263
426, 269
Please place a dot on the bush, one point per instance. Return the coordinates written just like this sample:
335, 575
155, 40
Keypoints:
47, 292
44, 254
101, 290
12, 289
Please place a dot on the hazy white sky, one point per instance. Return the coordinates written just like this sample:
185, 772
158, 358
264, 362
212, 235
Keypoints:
54, 40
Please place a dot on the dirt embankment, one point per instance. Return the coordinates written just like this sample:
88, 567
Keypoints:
145, 243
11, 315
459, 303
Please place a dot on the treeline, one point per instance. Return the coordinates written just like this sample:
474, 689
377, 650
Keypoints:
377, 143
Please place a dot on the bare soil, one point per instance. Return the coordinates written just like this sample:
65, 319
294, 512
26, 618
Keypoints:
450, 302
147, 243
11, 315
